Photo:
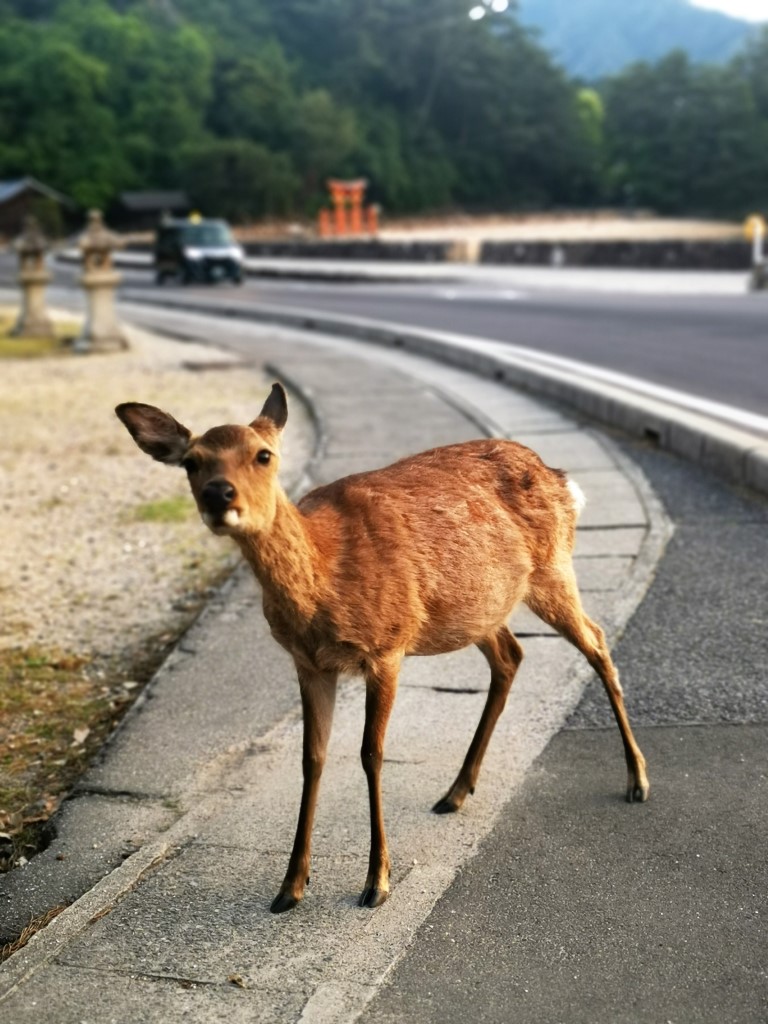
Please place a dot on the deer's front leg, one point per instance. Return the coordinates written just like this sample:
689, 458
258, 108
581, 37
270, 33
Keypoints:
318, 695
381, 687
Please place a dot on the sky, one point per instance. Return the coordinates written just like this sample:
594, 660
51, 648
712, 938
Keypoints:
753, 10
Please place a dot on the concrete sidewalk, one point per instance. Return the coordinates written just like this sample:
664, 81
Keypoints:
193, 806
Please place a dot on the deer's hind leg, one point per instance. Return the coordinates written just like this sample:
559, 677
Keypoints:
504, 654
554, 597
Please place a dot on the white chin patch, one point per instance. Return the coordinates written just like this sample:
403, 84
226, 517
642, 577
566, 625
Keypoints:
231, 517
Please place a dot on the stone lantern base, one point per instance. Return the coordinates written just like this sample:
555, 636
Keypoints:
101, 331
33, 321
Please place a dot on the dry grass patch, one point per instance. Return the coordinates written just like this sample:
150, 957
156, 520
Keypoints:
54, 714
31, 930
22, 347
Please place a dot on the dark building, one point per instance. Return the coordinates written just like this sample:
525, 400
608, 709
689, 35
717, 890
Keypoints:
137, 211
55, 212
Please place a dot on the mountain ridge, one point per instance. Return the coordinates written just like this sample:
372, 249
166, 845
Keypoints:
594, 38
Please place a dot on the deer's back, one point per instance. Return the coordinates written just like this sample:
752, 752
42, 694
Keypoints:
433, 552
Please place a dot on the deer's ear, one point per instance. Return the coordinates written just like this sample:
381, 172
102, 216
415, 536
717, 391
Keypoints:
275, 408
155, 432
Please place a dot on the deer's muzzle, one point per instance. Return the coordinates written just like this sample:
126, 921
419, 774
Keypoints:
217, 496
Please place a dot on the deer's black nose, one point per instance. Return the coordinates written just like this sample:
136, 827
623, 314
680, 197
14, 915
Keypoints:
218, 495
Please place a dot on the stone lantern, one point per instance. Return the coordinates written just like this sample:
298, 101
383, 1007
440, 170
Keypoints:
101, 331
31, 245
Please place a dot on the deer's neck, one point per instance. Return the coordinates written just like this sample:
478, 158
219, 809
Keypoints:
286, 561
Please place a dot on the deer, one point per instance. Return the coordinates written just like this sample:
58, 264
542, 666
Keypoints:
428, 555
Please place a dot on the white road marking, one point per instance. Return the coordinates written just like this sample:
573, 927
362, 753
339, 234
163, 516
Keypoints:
640, 386
476, 295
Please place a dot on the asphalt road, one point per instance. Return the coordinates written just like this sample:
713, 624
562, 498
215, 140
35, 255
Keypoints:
714, 347
710, 346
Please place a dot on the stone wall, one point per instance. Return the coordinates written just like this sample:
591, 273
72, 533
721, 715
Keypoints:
670, 255
354, 249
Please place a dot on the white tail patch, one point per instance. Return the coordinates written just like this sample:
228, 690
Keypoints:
579, 498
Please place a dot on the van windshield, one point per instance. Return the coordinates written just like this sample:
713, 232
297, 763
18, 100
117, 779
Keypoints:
206, 236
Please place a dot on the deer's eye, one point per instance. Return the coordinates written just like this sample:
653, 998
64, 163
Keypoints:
190, 464
263, 456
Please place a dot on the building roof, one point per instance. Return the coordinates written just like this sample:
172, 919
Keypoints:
152, 202
11, 189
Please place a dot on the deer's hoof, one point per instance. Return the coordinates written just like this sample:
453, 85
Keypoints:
373, 897
637, 794
446, 806
282, 902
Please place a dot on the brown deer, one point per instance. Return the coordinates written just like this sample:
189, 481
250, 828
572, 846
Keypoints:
428, 555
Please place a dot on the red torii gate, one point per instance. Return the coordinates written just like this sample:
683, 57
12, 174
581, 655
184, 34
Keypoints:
347, 196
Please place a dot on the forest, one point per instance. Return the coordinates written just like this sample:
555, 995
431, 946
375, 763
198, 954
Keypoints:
250, 105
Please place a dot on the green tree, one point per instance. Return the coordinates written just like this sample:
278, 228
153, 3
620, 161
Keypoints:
158, 81
254, 97
509, 120
752, 67
684, 138
325, 136
435, 110
232, 27
56, 124
238, 179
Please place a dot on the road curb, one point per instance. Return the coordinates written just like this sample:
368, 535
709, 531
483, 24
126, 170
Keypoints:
736, 455
97, 902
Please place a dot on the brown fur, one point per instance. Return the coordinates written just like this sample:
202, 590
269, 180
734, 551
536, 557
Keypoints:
429, 555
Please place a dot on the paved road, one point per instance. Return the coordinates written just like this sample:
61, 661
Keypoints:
711, 345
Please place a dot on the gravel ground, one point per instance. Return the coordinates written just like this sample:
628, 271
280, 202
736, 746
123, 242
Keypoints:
80, 571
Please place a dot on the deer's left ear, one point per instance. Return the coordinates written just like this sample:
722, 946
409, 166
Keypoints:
275, 409
155, 432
